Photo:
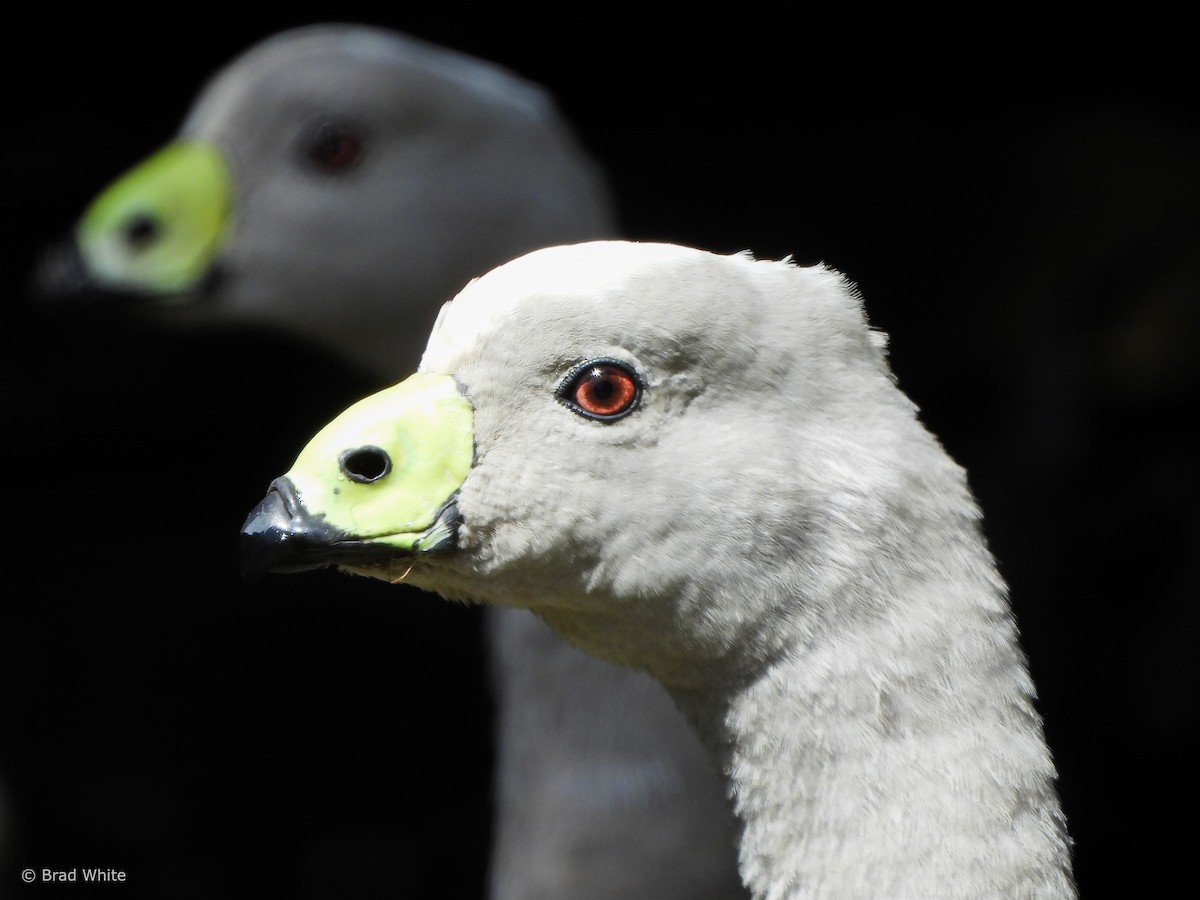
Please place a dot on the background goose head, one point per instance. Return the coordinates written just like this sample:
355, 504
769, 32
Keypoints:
338, 160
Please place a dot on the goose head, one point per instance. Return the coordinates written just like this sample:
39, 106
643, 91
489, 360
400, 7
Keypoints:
336, 161
626, 431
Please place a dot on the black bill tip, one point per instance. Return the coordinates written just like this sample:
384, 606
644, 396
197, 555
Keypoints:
279, 536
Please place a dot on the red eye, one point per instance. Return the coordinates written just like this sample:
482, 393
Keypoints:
601, 389
334, 148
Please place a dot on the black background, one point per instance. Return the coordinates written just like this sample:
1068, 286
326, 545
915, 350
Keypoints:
1019, 205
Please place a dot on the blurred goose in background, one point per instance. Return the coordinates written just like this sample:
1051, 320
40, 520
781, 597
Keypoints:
702, 466
338, 183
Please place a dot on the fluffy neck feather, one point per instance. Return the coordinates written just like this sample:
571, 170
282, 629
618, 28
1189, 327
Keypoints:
895, 752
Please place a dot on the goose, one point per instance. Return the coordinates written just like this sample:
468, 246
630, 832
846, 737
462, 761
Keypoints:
701, 466
337, 183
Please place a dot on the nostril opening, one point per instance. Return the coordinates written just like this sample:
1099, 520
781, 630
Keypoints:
141, 229
365, 464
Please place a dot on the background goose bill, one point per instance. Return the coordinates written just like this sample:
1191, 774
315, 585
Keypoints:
153, 233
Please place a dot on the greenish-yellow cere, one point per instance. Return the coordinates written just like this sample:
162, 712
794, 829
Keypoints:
424, 424
157, 227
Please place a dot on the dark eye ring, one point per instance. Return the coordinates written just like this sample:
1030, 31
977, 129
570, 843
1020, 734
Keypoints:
333, 148
601, 389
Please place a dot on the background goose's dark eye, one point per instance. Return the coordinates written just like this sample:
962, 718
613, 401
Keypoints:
601, 389
334, 148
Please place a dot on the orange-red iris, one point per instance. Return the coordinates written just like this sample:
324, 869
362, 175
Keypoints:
604, 390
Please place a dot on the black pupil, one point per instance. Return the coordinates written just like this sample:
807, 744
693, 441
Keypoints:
601, 385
